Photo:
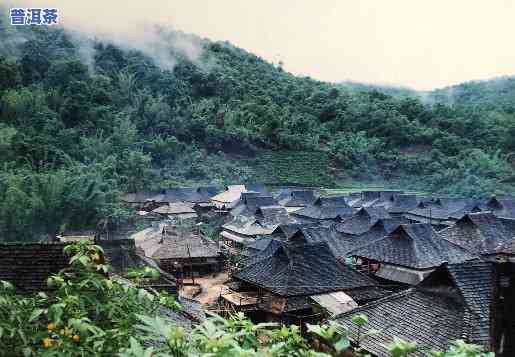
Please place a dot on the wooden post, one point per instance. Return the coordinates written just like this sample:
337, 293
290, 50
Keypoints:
191, 264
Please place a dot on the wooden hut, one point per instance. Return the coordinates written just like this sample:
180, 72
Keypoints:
454, 302
182, 254
410, 253
291, 283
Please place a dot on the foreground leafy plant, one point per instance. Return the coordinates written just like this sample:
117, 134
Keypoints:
86, 313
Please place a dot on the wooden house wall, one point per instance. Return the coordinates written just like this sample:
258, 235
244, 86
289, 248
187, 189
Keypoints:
28, 265
196, 266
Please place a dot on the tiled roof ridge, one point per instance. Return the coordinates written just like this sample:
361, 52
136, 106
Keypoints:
378, 302
405, 293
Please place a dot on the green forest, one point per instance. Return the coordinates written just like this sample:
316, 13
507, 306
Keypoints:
83, 121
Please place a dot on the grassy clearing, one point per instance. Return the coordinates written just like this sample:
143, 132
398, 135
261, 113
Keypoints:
295, 168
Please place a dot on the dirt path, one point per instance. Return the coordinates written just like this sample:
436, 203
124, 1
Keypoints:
211, 287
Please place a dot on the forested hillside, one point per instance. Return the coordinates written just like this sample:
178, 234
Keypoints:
495, 94
83, 121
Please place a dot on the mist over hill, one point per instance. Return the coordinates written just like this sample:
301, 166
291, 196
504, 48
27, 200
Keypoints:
85, 118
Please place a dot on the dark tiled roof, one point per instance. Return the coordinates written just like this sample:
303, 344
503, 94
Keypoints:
175, 246
362, 220
342, 244
256, 187
475, 282
302, 269
368, 198
282, 194
175, 208
338, 201
28, 265
186, 194
264, 222
389, 195
452, 303
339, 243
376, 212
471, 207
325, 212
415, 246
285, 231
245, 195
430, 317
261, 251
261, 199
502, 207
250, 202
255, 246
441, 208
353, 199
482, 233
391, 224
298, 198
272, 215
403, 203
372, 198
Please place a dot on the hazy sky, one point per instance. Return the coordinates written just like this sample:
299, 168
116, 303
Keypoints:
422, 44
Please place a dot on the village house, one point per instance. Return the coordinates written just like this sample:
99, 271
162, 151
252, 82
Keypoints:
228, 199
185, 194
294, 200
362, 220
29, 265
250, 201
302, 258
137, 199
401, 203
177, 211
244, 229
341, 244
410, 253
353, 198
439, 212
456, 301
371, 198
484, 234
297, 283
182, 254
326, 209
474, 206
283, 233
502, 207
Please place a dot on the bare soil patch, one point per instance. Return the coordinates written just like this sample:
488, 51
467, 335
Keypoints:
210, 288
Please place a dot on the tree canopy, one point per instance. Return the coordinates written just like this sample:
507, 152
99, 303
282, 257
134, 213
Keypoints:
77, 130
